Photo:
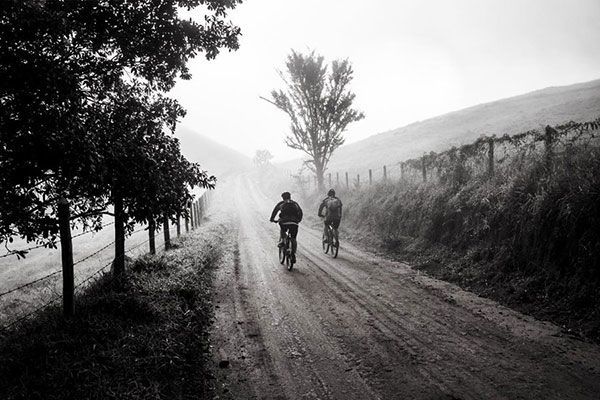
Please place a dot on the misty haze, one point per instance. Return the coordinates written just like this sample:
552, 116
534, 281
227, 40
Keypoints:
311, 200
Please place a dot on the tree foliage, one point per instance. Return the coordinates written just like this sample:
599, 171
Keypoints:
262, 157
318, 101
80, 87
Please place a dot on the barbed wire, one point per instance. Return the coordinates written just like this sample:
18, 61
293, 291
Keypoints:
137, 246
30, 283
29, 314
14, 252
94, 253
103, 248
78, 286
74, 264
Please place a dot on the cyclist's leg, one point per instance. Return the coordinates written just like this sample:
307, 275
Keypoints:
293, 233
282, 229
336, 224
326, 228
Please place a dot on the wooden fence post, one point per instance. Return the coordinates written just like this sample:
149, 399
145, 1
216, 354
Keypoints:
370, 177
192, 217
187, 222
337, 179
329, 176
491, 157
66, 250
357, 180
424, 168
166, 233
384, 173
402, 170
347, 183
151, 231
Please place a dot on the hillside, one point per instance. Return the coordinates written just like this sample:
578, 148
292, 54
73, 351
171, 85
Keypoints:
550, 106
217, 159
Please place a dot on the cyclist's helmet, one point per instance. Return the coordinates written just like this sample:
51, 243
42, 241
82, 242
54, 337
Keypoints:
331, 193
286, 195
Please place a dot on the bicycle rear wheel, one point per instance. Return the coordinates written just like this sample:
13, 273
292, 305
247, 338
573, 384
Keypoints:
334, 249
281, 254
326, 243
288, 259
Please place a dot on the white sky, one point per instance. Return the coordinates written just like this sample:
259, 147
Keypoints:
412, 60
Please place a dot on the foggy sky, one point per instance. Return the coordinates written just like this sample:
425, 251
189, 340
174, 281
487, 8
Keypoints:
412, 60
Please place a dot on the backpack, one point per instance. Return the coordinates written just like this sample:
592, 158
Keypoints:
334, 207
289, 211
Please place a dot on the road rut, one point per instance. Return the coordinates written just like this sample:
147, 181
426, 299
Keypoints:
363, 327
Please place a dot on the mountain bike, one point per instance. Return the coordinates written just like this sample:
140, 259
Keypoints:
329, 242
285, 251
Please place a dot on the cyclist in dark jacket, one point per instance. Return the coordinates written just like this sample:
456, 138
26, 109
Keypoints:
332, 206
290, 215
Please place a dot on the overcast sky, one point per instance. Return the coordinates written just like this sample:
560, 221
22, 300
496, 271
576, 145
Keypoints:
412, 60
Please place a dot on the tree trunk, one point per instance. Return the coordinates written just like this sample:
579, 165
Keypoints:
167, 233
66, 249
151, 231
119, 261
320, 175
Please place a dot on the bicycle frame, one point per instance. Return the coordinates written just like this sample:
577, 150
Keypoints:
328, 242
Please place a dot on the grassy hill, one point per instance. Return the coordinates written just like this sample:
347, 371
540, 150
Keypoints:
217, 159
550, 106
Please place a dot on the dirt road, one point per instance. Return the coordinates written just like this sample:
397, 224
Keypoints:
361, 327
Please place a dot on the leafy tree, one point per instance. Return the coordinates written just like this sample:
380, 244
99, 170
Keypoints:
61, 62
318, 101
145, 176
262, 157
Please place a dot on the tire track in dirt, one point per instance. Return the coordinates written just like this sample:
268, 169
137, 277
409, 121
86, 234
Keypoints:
362, 327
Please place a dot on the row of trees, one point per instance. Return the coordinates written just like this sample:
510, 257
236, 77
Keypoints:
83, 115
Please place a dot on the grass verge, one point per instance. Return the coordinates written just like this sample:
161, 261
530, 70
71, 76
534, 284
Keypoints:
139, 337
529, 237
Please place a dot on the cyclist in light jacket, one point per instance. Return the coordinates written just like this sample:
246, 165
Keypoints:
333, 213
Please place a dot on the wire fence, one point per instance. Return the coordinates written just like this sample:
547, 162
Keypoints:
486, 156
197, 209
48, 245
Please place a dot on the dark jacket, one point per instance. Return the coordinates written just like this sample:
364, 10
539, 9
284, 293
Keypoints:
289, 211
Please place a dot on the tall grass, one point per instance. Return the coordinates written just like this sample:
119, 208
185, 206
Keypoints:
529, 235
141, 337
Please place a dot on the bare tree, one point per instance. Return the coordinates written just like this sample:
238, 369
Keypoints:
319, 103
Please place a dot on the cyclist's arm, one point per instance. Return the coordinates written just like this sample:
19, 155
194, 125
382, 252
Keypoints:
275, 211
300, 214
320, 212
